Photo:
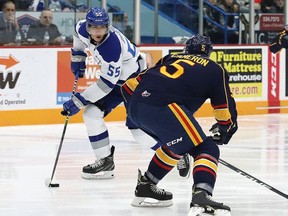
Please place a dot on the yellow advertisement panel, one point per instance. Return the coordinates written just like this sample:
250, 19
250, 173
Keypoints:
245, 70
244, 90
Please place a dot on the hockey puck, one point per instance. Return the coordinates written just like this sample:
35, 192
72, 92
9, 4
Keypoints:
54, 185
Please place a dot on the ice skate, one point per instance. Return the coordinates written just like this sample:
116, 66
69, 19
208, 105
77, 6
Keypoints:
148, 194
202, 204
103, 168
184, 166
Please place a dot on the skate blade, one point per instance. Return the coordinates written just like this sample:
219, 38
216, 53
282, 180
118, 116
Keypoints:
199, 211
222, 212
196, 211
98, 176
149, 202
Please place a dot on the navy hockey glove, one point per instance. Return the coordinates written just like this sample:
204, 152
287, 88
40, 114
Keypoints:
223, 133
78, 64
284, 41
73, 106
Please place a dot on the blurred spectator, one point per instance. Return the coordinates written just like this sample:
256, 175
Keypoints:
117, 17
59, 5
23, 5
69, 3
128, 31
8, 24
257, 5
72, 5
278, 7
266, 5
230, 6
37, 30
38, 5
120, 21
210, 29
217, 34
244, 6
55, 5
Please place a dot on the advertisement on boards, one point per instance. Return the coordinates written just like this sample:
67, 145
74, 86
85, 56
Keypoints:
41, 78
274, 82
65, 77
245, 70
27, 78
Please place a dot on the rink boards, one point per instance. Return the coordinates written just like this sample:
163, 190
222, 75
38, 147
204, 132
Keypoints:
35, 82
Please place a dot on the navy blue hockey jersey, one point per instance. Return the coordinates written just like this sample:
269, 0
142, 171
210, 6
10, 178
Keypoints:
184, 79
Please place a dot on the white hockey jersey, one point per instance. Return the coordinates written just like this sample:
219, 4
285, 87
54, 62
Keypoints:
116, 55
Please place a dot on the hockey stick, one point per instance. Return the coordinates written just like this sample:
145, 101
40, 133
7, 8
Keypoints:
252, 178
49, 180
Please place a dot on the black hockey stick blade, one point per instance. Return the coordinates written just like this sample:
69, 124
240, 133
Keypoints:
253, 178
49, 184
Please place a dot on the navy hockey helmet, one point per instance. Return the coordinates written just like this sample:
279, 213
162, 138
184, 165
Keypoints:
97, 17
198, 44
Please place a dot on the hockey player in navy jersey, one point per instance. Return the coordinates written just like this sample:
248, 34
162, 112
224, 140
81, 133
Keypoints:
280, 41
118, 58
161, 101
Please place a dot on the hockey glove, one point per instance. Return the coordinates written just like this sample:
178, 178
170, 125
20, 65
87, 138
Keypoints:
284, 41
78, 64
223, 133
73, 106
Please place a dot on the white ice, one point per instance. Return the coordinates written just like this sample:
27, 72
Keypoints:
27, 155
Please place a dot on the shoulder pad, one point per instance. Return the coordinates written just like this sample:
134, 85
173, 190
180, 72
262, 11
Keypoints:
80, 28
110, 50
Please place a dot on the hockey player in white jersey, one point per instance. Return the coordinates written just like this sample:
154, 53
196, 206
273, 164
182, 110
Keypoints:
118, 58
